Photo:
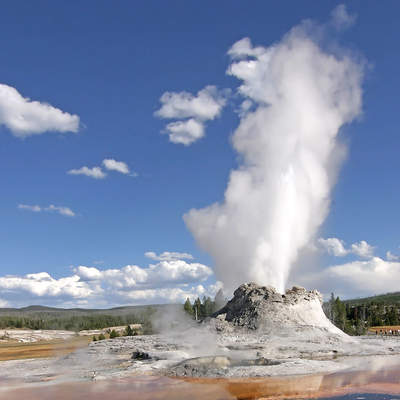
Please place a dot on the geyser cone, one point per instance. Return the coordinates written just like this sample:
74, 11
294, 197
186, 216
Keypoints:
262, 308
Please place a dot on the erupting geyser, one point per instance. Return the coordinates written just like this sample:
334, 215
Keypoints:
297, 96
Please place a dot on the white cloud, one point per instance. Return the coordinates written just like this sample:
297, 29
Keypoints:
191, 111
207, 105
333, 246
341, 19
3, 303
60, 210
24, 117
336, 247
42, 284
95, 172
168, 256
166, 281
66, 211
114, 165
185, 132
357, 278
362, 249
132, 276
33, 208
392, 257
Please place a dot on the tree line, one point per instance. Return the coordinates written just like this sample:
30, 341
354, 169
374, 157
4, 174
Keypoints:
356, 317
201, 309
76, 323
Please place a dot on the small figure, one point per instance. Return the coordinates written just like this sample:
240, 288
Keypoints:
94, 376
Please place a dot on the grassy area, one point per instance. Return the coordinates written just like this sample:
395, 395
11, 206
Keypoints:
42, 349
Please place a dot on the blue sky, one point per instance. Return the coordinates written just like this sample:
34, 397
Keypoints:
109, 65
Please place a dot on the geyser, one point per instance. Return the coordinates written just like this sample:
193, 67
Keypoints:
297, 96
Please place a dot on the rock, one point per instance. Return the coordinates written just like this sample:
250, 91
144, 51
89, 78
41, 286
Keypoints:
262, 308
140, 355
201, 366
261, 361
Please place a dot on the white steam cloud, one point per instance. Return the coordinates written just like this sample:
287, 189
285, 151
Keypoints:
290, 154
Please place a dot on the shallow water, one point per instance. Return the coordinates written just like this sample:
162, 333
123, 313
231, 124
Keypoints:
382, 383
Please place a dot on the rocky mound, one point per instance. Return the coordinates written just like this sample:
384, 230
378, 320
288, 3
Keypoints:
262, 308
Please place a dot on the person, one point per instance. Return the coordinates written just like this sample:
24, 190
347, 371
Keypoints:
94, 376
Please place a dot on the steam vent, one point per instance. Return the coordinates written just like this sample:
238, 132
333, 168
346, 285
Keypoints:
262, 308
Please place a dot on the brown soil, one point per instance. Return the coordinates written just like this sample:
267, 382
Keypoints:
18, 351
384, 328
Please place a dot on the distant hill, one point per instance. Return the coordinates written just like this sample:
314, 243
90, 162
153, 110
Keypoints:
388, 299
77, 319
122, 310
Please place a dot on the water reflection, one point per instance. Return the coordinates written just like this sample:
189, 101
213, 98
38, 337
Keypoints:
382, 377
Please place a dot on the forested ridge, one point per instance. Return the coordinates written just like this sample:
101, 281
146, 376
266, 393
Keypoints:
355, 316
38, 317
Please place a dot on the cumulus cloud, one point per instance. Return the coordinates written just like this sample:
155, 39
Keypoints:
341, 19
336, 247
169, 280
333, 246
95, 172
3, 303
185, 132
206, 105
24, 117
290, 153
357, 278
66, 211
132, 276
168, 256
362, 249
392, 257
42, 284
191, 111
114, 165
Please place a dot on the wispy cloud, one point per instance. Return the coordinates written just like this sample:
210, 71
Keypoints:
97, 172
94, 172
168, 256
341, 19
66, 211
24, 117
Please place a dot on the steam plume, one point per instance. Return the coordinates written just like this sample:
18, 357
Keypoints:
297, 96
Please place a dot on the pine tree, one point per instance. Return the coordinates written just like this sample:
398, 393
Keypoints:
114, 334
128, 331
188, 307
208, 307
